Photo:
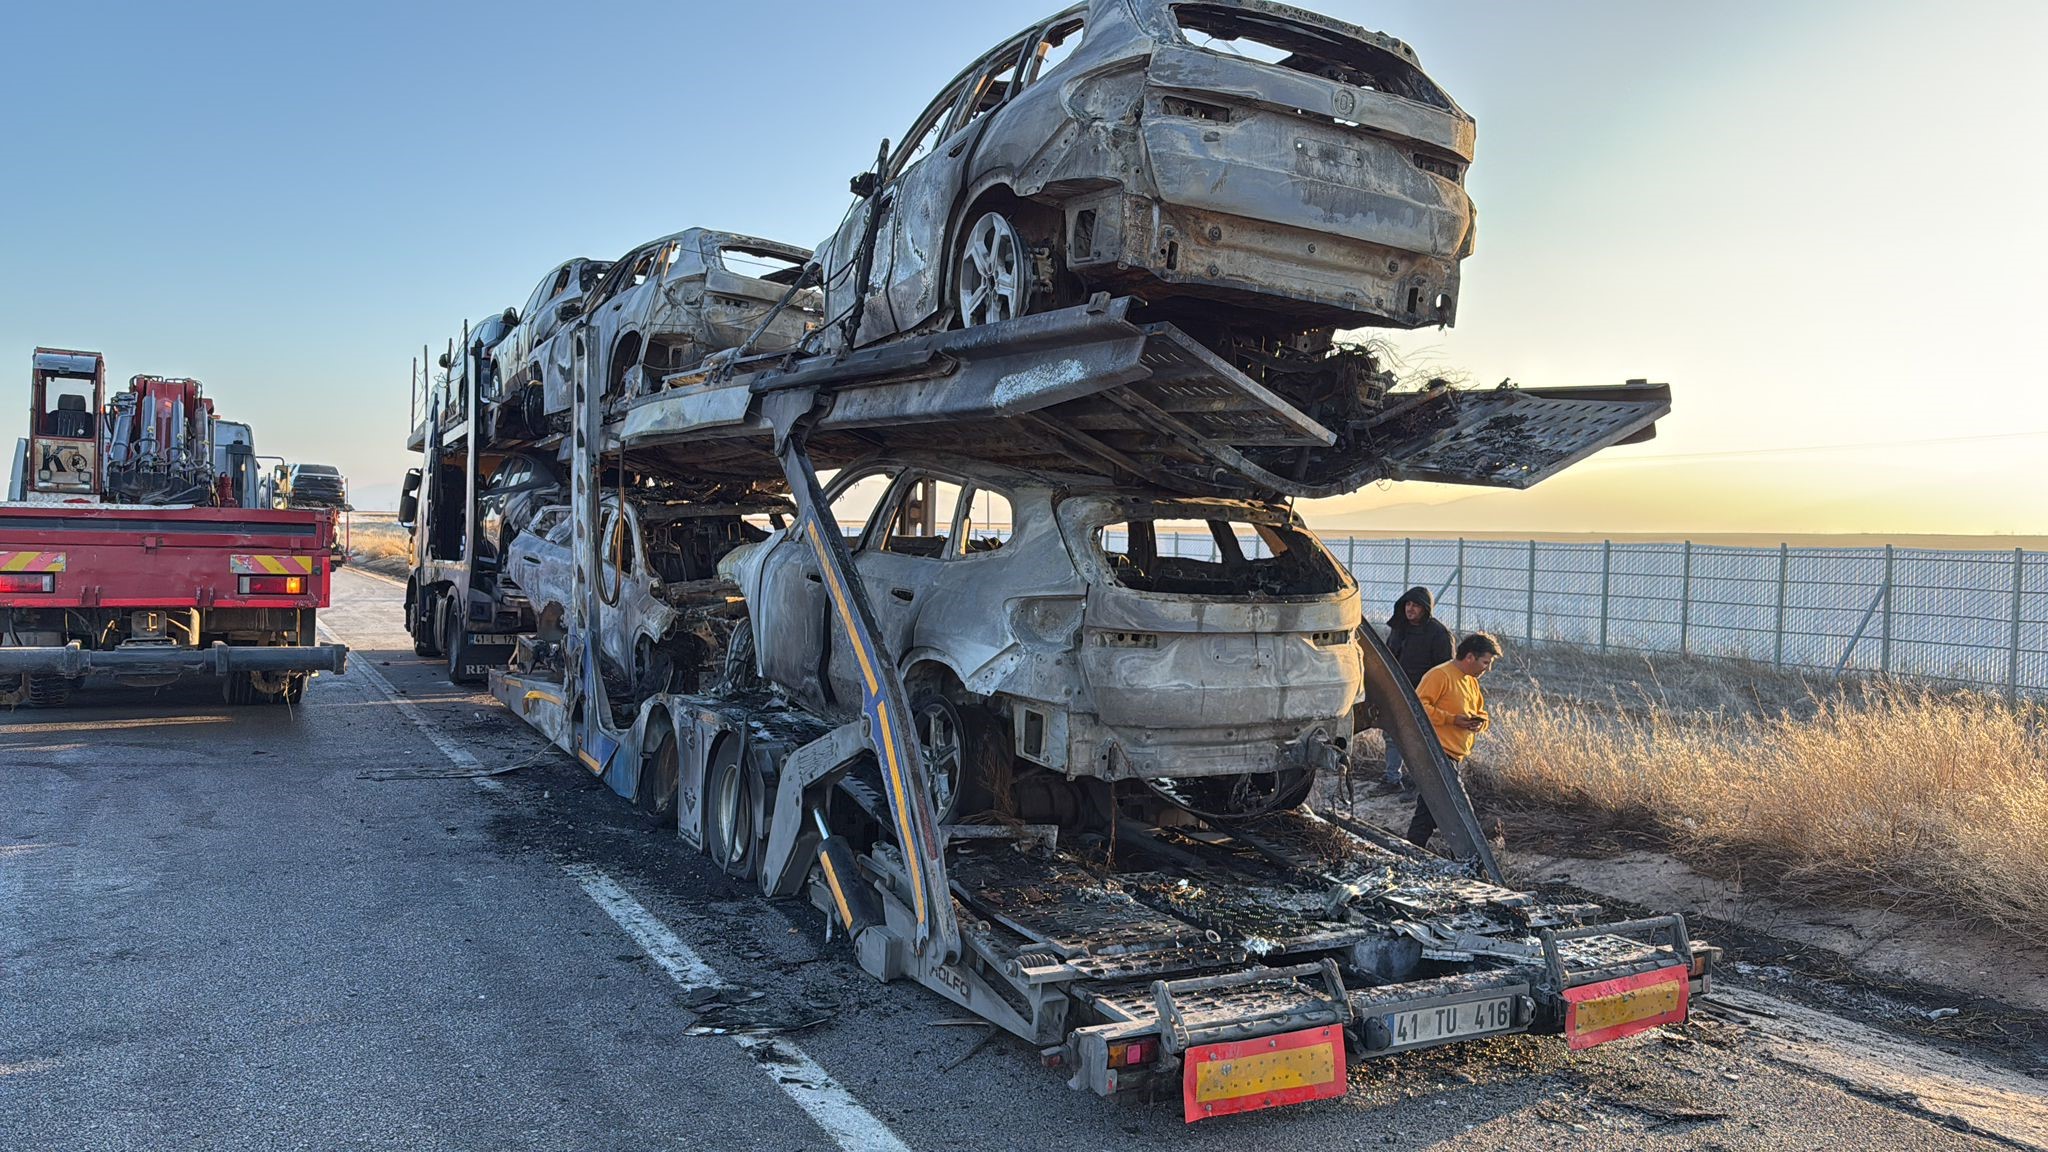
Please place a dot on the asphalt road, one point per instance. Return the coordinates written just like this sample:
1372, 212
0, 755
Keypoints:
220, 929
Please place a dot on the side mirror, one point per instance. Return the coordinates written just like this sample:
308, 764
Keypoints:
445, 360
865, 184
511, 317
409, 500
568, 310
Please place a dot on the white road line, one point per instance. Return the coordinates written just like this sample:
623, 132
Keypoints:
824, 1099
809, 1086
448, 747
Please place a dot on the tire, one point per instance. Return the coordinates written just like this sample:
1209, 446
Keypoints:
957, 742
423, 622
655, 794
740, 673
455, 642
731, 837
991, 273
49, 691
653, 668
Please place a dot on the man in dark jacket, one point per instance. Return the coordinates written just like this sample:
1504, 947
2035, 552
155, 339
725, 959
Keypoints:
1420, 642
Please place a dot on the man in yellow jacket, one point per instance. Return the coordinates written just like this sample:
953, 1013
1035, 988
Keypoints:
1456, 708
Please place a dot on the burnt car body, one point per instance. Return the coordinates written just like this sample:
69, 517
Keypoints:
669, 303
1042, 622
518, 408
509, 501
1144, 146
664, 613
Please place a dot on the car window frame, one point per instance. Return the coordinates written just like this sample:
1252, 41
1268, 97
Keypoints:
939, 113
845, 480
985, 69
911, 474
1079, 18
957, 548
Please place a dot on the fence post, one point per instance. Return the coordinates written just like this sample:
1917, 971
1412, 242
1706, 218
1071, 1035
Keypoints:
1606, 578
1778, 644
1351, 557
1461, 584
1884, 652
1685, 600
1407, 563
1529, 617
2012, 654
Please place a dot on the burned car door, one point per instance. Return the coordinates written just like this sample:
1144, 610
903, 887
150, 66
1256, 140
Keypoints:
925, 195
797, 638
901, 562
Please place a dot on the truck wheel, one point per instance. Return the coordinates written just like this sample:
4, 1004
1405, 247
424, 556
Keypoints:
455, 642
730, 834
422, 622
48, 691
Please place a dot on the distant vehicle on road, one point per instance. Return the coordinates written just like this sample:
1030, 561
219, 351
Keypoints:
310, 486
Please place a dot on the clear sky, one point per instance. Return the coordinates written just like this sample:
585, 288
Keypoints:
1822, 223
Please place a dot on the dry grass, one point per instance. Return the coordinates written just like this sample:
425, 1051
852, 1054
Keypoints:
1876, 791
379, 545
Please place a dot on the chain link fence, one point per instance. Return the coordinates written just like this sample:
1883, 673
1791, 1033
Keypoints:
1978, 618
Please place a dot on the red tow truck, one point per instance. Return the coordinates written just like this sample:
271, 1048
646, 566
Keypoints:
127, 548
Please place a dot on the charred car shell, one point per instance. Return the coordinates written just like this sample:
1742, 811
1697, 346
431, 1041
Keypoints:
1073, 642
669, 303
1322, 188
664, 612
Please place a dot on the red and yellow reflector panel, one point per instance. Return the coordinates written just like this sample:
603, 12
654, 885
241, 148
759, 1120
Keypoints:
1612, 1009
248, 565
1247, 1075
273, 585
31, 561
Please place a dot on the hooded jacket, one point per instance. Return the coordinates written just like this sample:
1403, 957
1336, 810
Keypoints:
1422, 645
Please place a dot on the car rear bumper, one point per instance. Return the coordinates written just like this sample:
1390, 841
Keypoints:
1297, 269
73, 660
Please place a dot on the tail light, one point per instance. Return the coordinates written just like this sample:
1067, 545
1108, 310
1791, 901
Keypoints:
27, 582
1134, 1053
273, 585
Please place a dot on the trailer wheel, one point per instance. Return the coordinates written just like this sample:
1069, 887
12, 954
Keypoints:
730, 832
655, 794
49, 691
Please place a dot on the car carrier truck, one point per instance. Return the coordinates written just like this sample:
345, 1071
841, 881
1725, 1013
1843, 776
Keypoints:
1236, 962
126, 550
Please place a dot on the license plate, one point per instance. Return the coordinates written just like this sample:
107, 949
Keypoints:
1451, 1022
1246, 1075
1611, 1009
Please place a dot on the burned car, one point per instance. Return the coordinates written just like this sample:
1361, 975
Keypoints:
666, 305
1273, 171
664, 613
1055, 627
517, 409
